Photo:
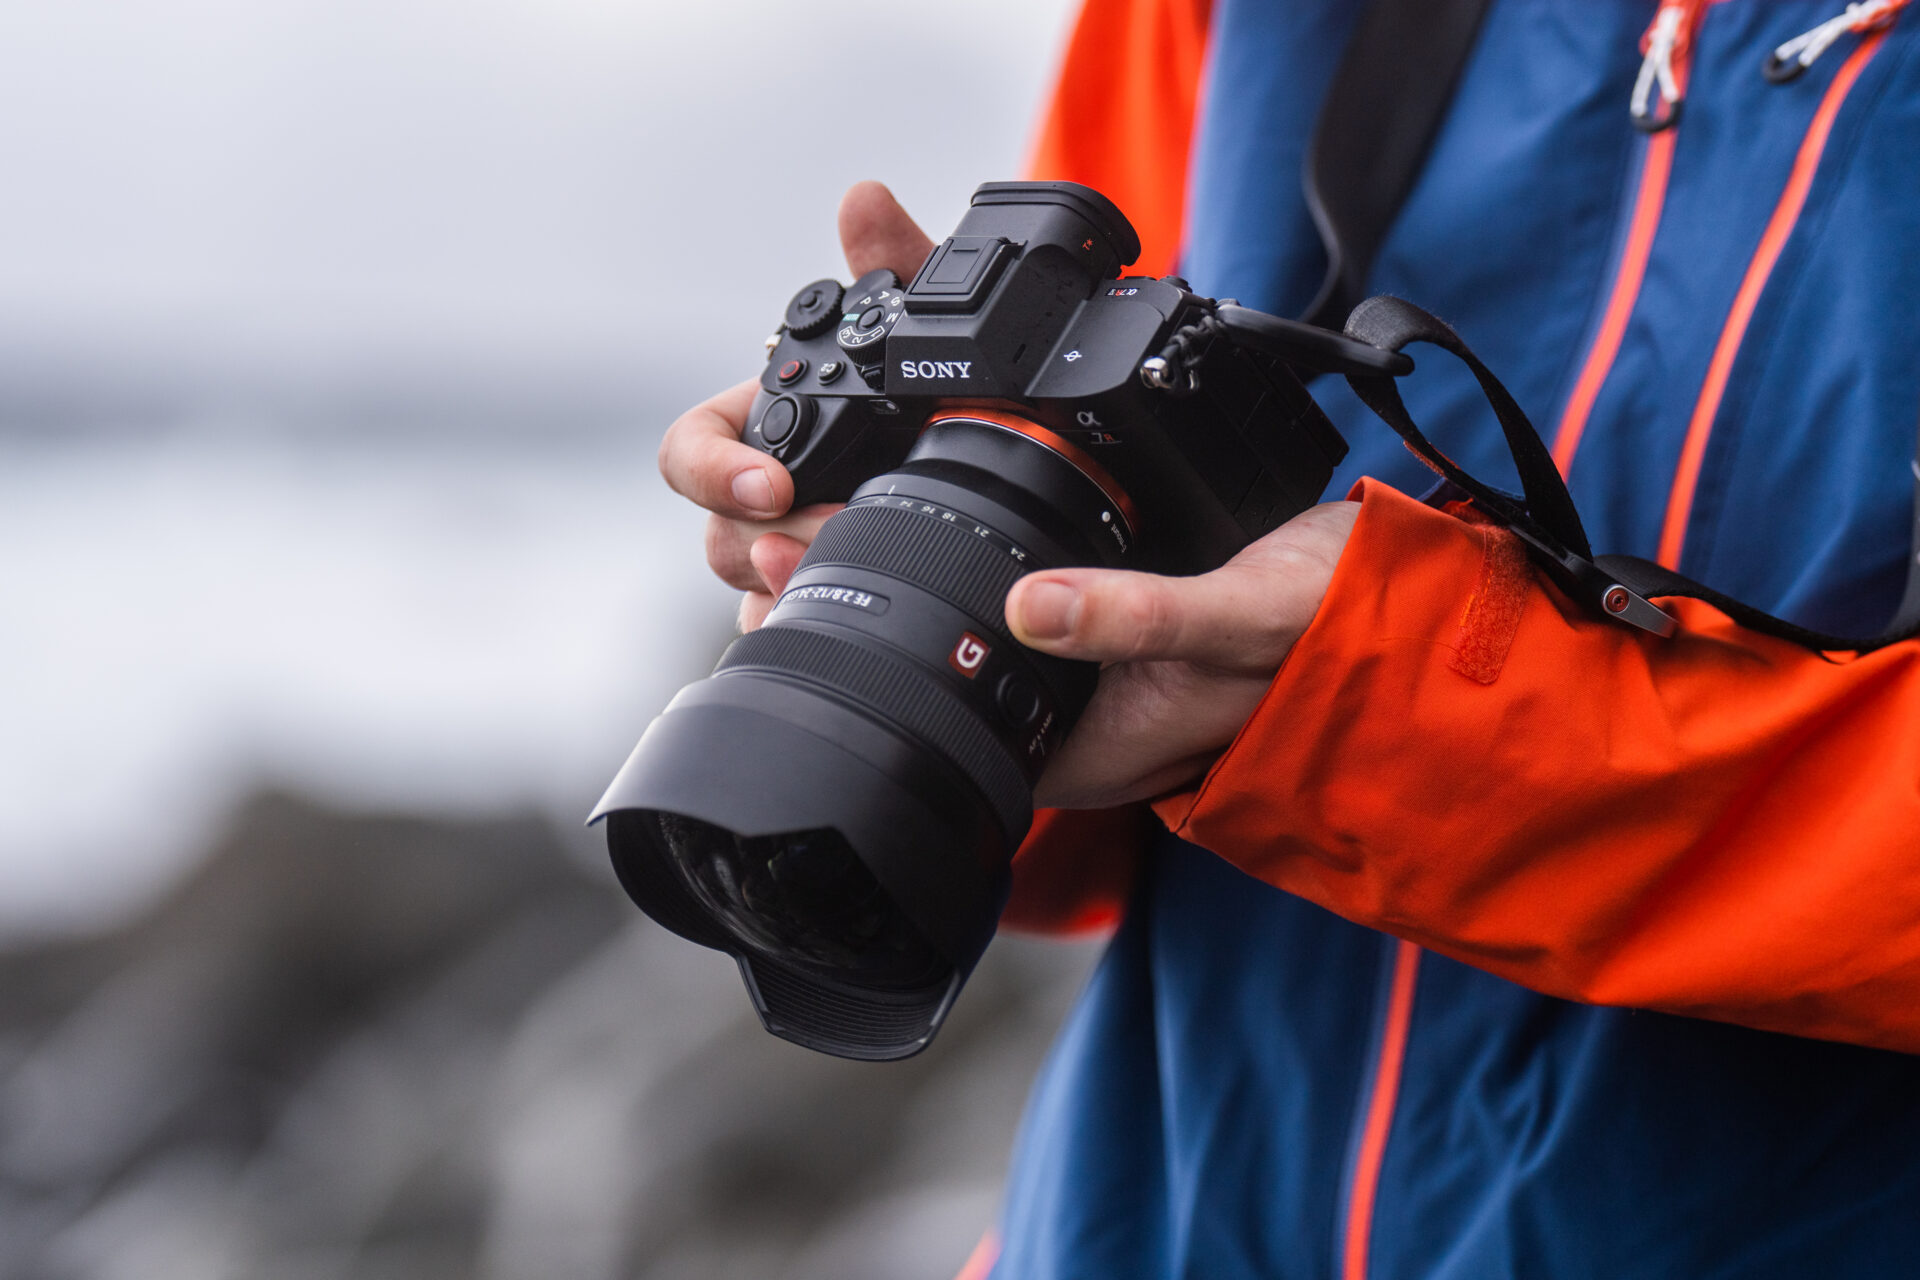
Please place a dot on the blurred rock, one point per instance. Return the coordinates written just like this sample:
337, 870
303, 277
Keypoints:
372, 1045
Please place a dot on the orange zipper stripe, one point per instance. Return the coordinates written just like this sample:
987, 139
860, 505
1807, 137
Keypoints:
1647, 203
1386, 1091
1786, 214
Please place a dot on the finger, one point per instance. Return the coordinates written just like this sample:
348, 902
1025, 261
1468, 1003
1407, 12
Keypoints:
775, 557
730, 542
1243, 616
754, 608
876, 232
702, 458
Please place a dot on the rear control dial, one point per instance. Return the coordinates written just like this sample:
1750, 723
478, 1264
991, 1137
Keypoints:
871, 309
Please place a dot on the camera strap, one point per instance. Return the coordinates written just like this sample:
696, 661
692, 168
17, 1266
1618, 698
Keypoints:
1386, 100
1545, 519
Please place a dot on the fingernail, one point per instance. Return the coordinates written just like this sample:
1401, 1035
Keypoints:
1048, 610
752, 490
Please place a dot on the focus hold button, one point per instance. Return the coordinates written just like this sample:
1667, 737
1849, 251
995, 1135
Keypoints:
1019, 700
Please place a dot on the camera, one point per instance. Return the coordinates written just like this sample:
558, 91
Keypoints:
837, 805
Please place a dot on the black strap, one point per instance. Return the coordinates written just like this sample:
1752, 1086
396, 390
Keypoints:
1375, 127
1617, 586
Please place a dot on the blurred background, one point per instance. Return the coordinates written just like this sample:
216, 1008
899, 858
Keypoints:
336, 579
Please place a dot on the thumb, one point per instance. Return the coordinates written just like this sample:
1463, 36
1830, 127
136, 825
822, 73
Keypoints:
876, 232
1241, 617
1104, 615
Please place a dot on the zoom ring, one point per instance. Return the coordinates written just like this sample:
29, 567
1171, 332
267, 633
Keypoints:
901, 692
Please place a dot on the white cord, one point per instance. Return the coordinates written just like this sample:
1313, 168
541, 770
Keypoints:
1657, 67
1807, 46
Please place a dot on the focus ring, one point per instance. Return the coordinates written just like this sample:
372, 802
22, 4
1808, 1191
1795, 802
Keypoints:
964, 569
902, 692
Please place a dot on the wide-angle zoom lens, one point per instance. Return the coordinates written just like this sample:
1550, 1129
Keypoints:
837, 805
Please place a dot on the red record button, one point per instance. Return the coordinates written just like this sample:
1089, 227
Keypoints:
791, 372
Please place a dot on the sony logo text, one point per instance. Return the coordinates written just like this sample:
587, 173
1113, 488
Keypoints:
935, 368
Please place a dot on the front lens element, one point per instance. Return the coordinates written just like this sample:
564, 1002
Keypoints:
801, 897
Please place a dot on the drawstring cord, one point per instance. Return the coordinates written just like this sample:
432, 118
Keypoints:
1797, 54
1666, 46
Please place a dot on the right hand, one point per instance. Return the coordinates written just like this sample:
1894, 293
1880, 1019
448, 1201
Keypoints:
753, 541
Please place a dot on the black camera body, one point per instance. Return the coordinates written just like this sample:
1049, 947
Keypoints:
1023, 309
837, 805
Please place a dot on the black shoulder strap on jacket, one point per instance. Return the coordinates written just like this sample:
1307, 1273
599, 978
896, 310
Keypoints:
1615, 586
1375, 126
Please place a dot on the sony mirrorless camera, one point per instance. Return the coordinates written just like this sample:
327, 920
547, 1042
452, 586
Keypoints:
837, 805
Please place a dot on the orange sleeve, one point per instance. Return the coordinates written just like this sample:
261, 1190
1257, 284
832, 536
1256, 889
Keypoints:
1121, 116
1120, 120
1719, 825
1074, 870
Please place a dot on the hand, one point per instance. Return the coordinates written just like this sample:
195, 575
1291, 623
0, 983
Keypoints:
753, 542
1187, 659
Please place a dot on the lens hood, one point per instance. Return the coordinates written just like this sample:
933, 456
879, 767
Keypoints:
760, 754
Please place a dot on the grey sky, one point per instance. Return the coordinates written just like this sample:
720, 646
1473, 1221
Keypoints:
318, 192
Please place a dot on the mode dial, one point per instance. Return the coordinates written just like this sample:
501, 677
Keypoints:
872, 307
813, 309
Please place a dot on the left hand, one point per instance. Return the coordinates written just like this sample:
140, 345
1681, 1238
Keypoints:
1187, 659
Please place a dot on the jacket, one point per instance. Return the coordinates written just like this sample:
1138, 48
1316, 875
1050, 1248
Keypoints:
1504, 941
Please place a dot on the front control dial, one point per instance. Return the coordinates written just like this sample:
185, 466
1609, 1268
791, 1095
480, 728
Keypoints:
872, 307
814, 309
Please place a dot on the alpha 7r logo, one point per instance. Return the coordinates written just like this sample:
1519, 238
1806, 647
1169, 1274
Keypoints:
969, 655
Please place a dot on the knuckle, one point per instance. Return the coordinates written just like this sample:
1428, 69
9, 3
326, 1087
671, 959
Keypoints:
719, 541
669, 443
1146, 617
727, 554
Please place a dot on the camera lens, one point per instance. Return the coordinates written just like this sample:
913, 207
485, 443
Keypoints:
802, 896
837, 805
